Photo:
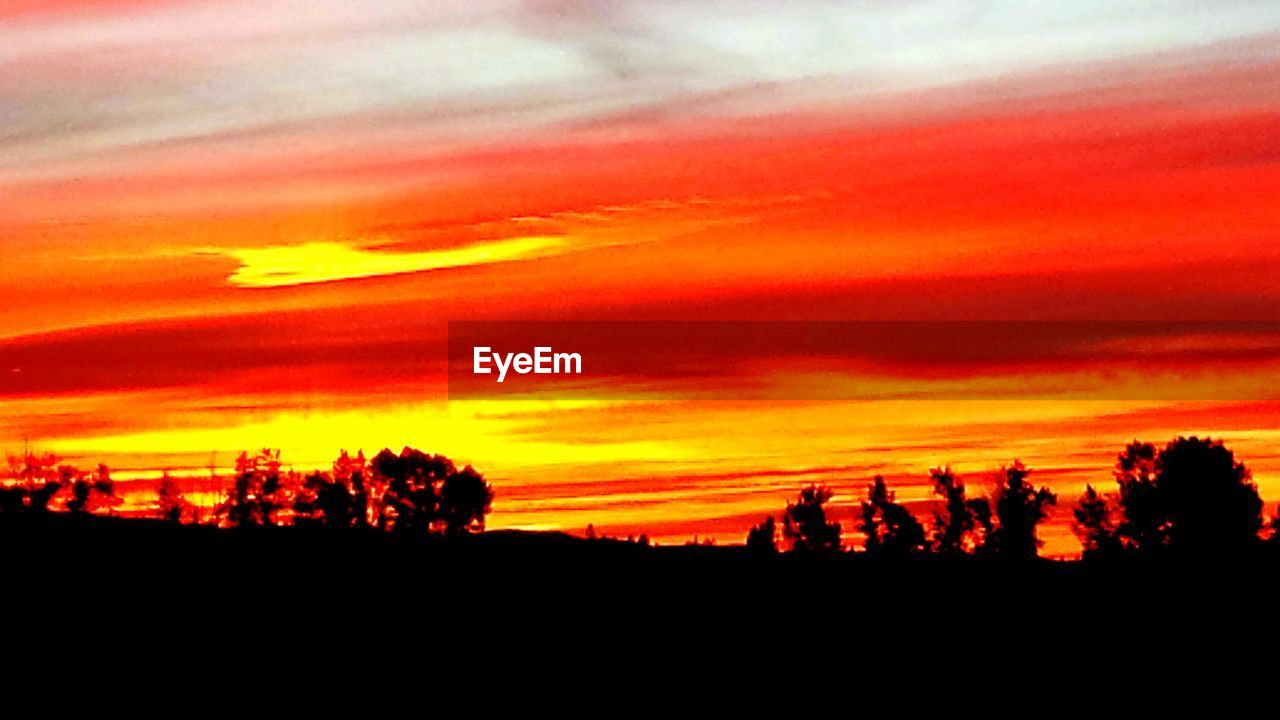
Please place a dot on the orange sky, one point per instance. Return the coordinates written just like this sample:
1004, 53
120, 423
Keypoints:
224, 234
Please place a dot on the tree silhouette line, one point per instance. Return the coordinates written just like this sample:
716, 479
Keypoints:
41, 478
1190, 496
409, 492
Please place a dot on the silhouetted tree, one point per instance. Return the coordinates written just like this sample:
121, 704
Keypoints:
1209, 501
321, 499
340, 499
40, 497
68, 477
81, 489
335, 504
1019, 509
1190, 496
465, 500
353, 472
305, 511
1094, 526
1142, 516
90, 493
425, 493
805, 522
890, 528
762, 539
410, 497
963, 524
257, 493
39, 477
171, 505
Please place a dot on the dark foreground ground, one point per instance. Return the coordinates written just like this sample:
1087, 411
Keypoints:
194, 603
231, 591
99, 553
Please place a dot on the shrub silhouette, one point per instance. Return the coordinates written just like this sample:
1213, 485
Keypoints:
171, 505
762, 539
963, 524
805, 522
890, 528
1019, 509
1093, 525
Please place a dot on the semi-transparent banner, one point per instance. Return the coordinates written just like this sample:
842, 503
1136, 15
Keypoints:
863, 360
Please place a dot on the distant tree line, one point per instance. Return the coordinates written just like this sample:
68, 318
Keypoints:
1191, 496
40, 479
409, 492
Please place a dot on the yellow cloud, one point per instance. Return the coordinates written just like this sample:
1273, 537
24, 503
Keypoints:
318, 262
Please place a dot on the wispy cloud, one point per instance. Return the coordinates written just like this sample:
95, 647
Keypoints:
319, 262
76, 84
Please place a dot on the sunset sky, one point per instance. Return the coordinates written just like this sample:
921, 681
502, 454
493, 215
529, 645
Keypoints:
230, 225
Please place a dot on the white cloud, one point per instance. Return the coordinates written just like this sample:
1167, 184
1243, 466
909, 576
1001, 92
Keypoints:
76, 86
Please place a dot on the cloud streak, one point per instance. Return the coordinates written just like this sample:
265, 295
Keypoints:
320, 262
74, 86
